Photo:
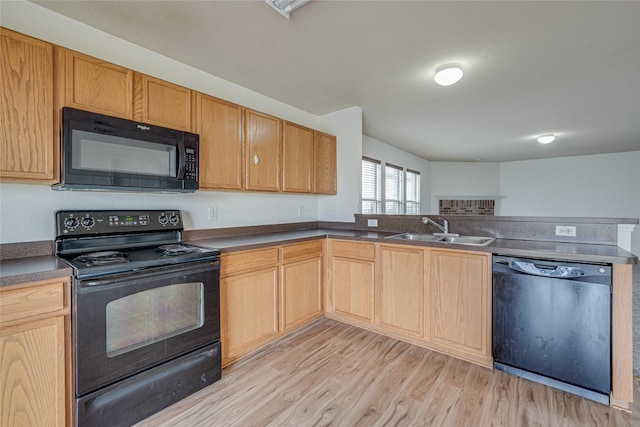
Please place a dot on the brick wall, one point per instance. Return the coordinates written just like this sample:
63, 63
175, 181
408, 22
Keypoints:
467, 207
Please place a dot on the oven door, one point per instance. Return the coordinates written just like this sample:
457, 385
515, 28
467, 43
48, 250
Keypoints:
130, 322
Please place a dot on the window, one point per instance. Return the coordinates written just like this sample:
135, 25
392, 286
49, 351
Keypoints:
400, 193
393, 189
412, 201
371, 186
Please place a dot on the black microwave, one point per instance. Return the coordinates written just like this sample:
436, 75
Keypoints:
107, 153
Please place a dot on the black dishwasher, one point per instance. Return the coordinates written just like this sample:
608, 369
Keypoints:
552, 324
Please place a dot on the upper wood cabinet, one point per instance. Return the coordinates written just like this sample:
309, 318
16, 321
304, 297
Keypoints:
161, 103
219, 124
262, 151
297, 158
402, 289
240, 149
460, 304
325, 167
35, 344
90, 84
28, 149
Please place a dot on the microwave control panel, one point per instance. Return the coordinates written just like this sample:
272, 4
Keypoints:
191, 164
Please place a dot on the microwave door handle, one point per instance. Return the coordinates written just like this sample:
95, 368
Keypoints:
182, 160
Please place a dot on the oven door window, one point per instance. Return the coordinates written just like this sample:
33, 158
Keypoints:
147, 317
113, 154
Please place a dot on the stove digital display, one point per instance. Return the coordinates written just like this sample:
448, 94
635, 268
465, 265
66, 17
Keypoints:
128, 220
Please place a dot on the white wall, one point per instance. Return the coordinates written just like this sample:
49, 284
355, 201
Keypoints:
347, 126
386, 153
463, 180
28, 210
604, 185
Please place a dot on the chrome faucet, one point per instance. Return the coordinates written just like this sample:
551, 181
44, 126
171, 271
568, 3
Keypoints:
444, 227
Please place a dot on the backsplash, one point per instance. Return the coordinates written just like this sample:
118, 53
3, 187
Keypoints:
602, 231
467, 207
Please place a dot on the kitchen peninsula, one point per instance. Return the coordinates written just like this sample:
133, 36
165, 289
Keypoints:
281, 258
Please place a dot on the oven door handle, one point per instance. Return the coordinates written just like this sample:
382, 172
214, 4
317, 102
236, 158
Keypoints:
209, 265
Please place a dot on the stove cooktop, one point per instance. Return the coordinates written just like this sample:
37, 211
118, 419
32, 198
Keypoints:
137, 258
99, 243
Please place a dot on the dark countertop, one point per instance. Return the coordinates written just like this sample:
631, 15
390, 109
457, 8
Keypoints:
42, 267
523, 248
32, 269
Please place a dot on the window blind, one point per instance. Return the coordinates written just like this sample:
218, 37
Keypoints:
412, 204
371, 186
393, 189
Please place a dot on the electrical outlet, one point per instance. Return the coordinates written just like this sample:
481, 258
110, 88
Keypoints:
213, 213
372, 222
566, 230
301, 211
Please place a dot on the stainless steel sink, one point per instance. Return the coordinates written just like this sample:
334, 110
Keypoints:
414, 236
469, 240
460, 240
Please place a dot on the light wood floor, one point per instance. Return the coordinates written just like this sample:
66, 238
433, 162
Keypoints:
332, 374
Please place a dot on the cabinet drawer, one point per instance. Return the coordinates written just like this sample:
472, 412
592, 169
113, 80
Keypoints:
248, 260
353, 249
31, 301
301, 250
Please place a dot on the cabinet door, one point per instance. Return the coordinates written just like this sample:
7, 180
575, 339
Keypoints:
27, 149
460, 302
161, 103
301, 292
297, 158
401, 287
91, 84
262, 151
249, 312
325, 168
219, 124
32, 373
353, 288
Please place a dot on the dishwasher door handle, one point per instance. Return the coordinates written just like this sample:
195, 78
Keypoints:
546, 271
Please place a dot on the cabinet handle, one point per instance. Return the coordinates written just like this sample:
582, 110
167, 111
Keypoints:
255, 159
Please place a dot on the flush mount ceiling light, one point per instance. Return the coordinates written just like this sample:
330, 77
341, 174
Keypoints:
285, 7
448, 74
546, 139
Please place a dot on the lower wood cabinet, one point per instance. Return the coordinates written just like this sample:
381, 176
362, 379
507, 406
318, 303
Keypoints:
248, 301
250, 310
436, 298
352, 277
35, 354
460, 304
301, 284
267, 293
401, 287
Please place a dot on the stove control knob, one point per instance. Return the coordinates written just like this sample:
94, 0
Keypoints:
71, 222
174, 219
162, 219
88, 222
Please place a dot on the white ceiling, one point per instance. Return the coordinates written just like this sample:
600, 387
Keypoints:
569, 68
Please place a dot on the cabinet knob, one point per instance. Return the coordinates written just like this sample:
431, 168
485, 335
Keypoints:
255, 159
